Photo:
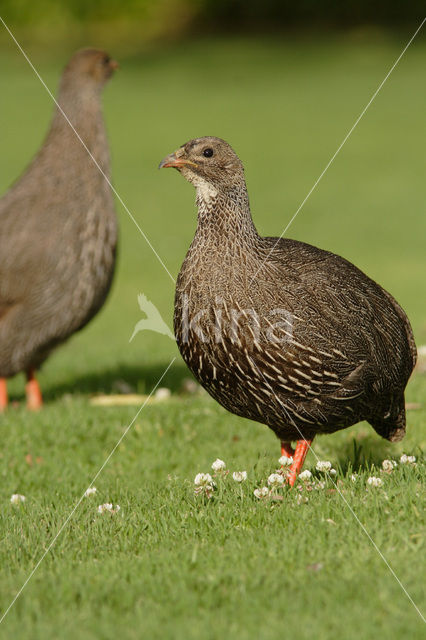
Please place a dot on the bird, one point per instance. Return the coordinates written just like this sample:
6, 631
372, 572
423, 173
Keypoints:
58, 229
279, 331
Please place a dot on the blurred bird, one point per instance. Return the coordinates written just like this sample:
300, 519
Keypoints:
277, 330
58, 230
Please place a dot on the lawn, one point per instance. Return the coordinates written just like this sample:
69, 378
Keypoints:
171, 564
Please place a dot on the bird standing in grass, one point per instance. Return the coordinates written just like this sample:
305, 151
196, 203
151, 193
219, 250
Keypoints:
58, 230
277, 330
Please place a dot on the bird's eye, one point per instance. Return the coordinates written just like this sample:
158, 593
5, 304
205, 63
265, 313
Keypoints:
106, 60
207, 153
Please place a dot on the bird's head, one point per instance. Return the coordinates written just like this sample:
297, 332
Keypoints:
89, 67
209, 163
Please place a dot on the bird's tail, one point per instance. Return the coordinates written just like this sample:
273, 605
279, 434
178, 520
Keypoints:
391, 424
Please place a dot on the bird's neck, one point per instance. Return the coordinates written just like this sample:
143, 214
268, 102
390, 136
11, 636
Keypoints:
79, 109
224, 217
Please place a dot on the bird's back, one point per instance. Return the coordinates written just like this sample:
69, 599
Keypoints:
58, 235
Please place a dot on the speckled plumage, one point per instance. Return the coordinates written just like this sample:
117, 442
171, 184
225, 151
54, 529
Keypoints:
58, 228
344, 349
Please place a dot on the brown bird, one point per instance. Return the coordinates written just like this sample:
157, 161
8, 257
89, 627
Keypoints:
58, 230
277, 330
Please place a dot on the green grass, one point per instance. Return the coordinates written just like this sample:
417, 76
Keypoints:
170, 565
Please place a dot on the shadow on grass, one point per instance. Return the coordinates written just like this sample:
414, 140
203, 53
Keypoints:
357, 455
120, 379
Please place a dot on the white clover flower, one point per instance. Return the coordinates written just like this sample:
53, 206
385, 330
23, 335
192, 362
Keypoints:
90, 492
404, 459
204, 484
323, 465
319, 485
285, 461
162, 393
388, 465
16, 498
332, 472
262, 492
108, 506
203, 479
305, 475
354, 477
374, 482
218, 465
276, 480
239, 476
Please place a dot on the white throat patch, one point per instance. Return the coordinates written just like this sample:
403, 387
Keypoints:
205, 191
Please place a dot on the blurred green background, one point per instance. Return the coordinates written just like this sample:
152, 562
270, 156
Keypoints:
144, 20
283, 83
284, 98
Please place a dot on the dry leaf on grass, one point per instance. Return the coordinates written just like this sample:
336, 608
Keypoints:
411, 406
129, 399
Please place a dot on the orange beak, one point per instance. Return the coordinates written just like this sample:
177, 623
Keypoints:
172, 160
114, 65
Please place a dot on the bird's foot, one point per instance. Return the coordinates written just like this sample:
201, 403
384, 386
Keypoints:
3, 394
33, 392
287, 450
302, 448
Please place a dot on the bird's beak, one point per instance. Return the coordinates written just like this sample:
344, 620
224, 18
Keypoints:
176, 161
113, 65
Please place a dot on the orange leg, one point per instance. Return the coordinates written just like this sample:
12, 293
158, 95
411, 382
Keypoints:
302, 448
3, 394
287, 449
33, 391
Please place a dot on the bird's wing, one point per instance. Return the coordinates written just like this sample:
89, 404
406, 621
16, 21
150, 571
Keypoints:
342, 315
26, 238
409, 331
